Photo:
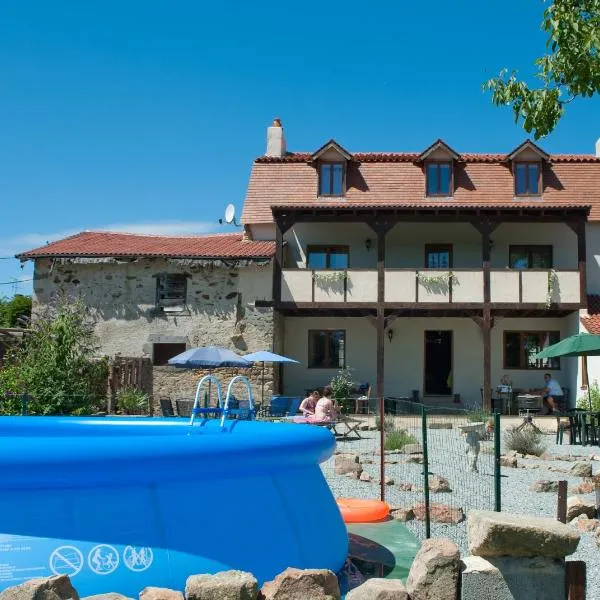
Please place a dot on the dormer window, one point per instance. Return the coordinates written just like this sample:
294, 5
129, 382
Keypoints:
439, 178
527, 178
331, 179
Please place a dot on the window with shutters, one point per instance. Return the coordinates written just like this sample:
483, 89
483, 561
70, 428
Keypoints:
171, 292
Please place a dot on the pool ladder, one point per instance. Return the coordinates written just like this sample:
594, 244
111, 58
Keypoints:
224, 409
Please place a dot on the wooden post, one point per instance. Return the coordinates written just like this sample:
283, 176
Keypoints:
486, 328
581, 260
381, 351
277, 263
575, 580
561, 510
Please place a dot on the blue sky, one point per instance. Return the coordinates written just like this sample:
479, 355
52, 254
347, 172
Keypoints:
146, 116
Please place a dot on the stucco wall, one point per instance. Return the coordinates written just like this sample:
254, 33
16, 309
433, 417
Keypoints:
404, 354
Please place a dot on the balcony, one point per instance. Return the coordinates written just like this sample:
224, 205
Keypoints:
428, 287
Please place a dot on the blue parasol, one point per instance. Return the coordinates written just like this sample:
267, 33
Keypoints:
264, 356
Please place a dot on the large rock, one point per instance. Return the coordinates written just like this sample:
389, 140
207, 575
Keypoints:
403, 514
512, 578
413, 449
587, 487
492, 534
107, 596
58, 587
302, 584
439, 484
576, 505
581, 469
584, 523
434, 571
379, 589
544, 485
509, 461
158, 593
439, 513
226, 585
348, 463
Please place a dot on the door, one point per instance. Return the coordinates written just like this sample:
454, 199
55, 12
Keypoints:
438, 363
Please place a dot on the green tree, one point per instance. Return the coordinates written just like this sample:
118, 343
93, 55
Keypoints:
57, 362
14, 311
569, 69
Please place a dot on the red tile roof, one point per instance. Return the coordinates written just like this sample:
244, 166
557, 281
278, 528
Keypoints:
592, 321
104, 243
396, 179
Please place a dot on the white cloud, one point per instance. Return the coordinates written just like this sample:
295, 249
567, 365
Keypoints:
28, 241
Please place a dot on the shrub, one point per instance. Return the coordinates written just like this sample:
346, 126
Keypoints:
388, 423
584, 401
132, 401
526, 441
342, 384
396, 440
478, 416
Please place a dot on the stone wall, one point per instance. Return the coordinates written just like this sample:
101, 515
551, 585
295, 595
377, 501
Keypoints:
121, 297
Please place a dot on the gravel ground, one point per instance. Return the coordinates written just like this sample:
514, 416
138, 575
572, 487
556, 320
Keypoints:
469, 490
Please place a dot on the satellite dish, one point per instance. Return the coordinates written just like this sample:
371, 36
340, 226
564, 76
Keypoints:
229, 216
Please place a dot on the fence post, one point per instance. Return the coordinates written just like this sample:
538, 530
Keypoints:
425, 470
24, 400
561, 508
497, 465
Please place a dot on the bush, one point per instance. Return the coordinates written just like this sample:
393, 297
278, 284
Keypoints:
526, 441
388, 423
584, 401
132, 401
342, 384
478, 416
396, 440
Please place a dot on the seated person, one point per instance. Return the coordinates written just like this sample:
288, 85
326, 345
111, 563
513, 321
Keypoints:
552, 393
325, 409
308, 405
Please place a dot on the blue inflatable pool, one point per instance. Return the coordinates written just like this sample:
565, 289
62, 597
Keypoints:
118, 504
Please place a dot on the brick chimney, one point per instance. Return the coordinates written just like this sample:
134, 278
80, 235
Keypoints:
275, 139
598, 148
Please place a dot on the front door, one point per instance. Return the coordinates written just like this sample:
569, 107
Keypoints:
438, 363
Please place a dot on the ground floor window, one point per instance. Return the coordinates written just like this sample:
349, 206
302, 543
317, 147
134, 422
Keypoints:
521, 346
161, 353
326, 349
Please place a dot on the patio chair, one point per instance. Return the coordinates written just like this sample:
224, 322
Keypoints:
279, 407
166, 406
344, 427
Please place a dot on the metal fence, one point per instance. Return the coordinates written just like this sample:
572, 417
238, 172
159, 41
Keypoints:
437, 464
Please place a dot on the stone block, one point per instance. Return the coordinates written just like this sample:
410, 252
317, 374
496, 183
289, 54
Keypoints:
379, 589
576, 505
230, 585
107, 596
581, 469
434, 571
439, 513
158, 593
58, 587
302, 584
492, 534
348, 463
512, 578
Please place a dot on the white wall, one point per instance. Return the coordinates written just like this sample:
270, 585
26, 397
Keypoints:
404, 355
592, 234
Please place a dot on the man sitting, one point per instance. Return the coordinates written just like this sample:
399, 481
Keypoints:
552, 393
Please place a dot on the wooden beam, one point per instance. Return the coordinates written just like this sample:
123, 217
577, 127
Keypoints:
582, 262
277, 263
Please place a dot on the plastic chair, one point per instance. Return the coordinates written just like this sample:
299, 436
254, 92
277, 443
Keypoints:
294, 406
166, 406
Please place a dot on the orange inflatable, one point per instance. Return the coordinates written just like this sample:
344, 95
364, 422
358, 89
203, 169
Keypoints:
355, 510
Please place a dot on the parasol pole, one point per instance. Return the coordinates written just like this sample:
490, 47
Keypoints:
587, 381
262, 392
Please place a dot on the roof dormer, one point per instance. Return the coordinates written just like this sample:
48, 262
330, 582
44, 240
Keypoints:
331, 162
438, 164
526, 162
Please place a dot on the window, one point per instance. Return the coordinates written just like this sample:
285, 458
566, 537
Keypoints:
527, 179
161, 353
331, 179
326, 349
171, 292
327, 257
438, 256
520, 348
439, 178
530, 257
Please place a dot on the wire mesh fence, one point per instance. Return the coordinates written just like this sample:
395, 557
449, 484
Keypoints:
437, 464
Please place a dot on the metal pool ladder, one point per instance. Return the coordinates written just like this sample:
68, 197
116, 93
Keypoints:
230, 411
196, 410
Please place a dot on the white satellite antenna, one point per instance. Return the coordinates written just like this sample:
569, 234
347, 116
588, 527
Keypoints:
230, 216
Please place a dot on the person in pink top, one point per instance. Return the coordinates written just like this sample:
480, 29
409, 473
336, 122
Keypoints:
325, 409
307, 408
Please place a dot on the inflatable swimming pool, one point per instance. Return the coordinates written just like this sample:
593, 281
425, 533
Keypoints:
119, 504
